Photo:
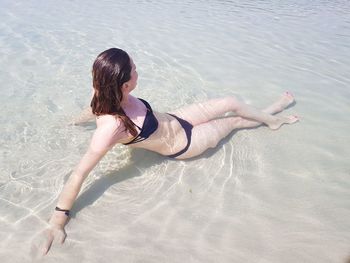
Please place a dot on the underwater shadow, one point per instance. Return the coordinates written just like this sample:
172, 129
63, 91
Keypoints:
211, 151
145, 159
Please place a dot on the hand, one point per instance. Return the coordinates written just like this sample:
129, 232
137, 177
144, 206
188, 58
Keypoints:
72, 123
52, 234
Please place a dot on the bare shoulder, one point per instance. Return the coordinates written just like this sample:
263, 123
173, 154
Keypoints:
110, 131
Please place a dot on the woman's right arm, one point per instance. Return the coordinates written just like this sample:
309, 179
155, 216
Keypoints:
102, 141
72, 187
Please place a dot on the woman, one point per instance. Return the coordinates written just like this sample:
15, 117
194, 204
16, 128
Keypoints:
122, 118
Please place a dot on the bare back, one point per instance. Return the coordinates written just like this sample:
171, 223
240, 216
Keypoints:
167, 139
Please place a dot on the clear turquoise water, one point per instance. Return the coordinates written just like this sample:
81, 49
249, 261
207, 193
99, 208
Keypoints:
261, 196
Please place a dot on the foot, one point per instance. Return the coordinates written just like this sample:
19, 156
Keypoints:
283, 102
283, 120
286, 99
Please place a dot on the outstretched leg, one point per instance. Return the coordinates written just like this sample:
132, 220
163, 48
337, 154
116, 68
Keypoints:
207, 135
203, 112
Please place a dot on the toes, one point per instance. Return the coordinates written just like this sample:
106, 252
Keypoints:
293, 118
289, 94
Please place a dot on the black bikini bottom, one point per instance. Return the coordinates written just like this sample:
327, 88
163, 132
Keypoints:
188, 130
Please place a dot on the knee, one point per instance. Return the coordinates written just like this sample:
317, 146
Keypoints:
212, 142
234, 103
208, 140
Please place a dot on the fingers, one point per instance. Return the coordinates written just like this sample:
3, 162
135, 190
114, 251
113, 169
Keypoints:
72, 123
62, 237
47, 244
53, 235
39, 246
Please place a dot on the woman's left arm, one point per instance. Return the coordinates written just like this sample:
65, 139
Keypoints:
85, 116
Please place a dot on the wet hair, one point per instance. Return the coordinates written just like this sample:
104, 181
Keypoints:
111, 69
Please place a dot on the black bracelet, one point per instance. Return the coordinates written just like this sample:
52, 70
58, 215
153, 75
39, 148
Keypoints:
66, 212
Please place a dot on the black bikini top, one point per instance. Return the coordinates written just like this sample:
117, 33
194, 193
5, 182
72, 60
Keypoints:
149, 126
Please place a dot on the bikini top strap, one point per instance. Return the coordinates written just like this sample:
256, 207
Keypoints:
136, 125
146, 104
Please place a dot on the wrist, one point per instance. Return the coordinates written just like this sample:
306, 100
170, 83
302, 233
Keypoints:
58, 219
65, 211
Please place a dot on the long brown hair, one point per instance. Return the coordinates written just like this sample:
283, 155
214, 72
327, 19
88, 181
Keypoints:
111, 69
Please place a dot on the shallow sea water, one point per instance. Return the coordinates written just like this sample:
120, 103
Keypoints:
260, 196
